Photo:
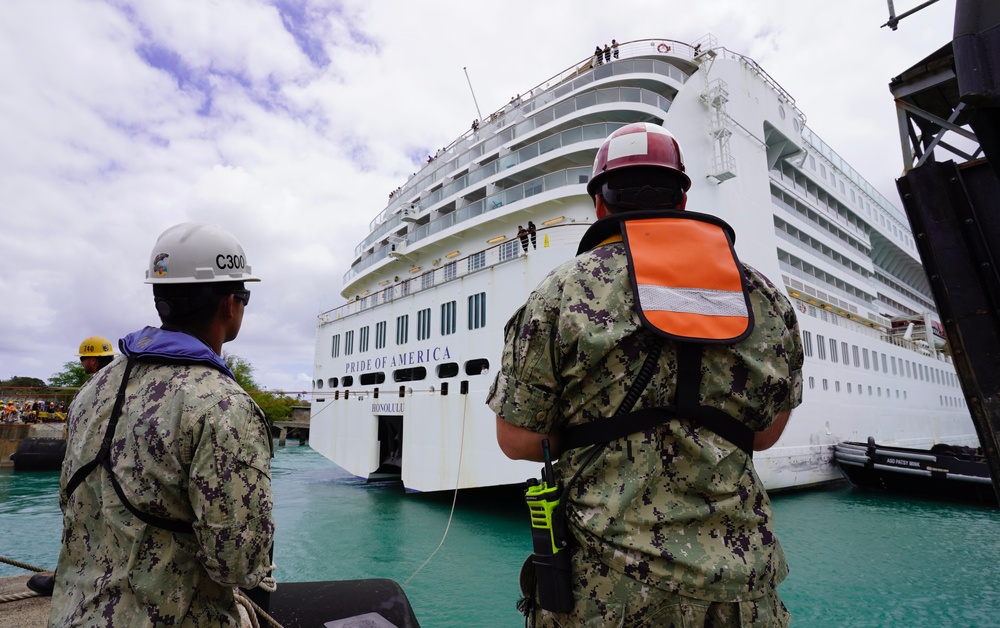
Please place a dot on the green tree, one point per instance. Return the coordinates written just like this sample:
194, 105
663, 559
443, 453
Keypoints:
276, 407
243, 371
23, 382
72, 376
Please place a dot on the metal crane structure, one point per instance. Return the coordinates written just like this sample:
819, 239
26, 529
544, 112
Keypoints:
948, 108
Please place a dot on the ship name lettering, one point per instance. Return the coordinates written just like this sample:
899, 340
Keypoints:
420, 356
903, 463
355, 366
388, 408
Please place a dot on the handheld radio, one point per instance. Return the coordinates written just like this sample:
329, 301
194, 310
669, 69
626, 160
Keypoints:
549, 539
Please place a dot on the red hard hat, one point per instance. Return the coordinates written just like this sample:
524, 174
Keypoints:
637, 144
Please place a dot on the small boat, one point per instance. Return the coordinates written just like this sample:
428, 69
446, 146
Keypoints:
943, 472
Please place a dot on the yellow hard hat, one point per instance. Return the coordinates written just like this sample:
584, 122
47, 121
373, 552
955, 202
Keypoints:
96, 346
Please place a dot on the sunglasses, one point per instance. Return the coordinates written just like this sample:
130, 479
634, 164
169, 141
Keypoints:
242, 295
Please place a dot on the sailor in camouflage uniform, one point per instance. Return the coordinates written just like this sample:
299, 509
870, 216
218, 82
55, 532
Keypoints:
670, 525
181, 513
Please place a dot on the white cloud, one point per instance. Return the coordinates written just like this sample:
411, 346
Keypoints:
289, 122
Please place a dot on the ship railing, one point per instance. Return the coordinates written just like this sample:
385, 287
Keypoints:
833, 295
917, 346
391, 216
590, 132
886, 284
641, 52
544, 183
845, 169
813, 200
445, 270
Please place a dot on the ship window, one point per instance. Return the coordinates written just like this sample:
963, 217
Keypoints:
363, 339
335, 346
426, 280
908, 372
807, 346
369, 379
332, 382
864, 354
869, 391
848, 388
822, 171
477, 311
812, 382
319, 383
380, 335
879, 389
812, 162
893, 365
348, 380
449, 271
402, 329
448, 369
860, 391
477, 261
349, 342
821, 346
509, 250
884, 369
833, 350
836, 385
447, 318
854, 350
843, 354
826, 385
479, 366
875, 360
414, 374
424, 324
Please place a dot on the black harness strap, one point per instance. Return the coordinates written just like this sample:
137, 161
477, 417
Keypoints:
109, 434
103, 459
686, 406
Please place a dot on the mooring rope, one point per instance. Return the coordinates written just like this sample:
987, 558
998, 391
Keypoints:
18, 596
21, 565
454, 499
254, 611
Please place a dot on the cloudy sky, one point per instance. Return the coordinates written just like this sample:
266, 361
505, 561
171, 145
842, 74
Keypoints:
288, 122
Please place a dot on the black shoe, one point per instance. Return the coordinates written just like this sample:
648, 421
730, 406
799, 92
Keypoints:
42, 583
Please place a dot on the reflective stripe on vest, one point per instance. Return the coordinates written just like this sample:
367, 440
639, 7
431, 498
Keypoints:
687, 280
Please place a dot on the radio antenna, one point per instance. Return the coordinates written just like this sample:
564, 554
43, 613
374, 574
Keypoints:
466, 70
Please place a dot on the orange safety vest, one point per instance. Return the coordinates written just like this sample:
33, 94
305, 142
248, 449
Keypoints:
687, 280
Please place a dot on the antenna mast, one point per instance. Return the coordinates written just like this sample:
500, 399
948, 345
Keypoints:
478, 113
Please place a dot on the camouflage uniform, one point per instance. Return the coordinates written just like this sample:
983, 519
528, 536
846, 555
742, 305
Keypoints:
677, 509
191, 446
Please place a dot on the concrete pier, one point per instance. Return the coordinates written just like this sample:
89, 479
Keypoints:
297, 426
32, 612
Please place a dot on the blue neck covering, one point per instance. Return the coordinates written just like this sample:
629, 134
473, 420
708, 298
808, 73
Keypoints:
164, 346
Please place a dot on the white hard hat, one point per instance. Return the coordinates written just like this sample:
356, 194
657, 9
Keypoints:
197, 252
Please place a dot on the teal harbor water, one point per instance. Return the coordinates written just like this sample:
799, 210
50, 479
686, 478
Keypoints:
857, 559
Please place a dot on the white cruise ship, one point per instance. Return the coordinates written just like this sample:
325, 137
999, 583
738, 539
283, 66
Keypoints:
403, 368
